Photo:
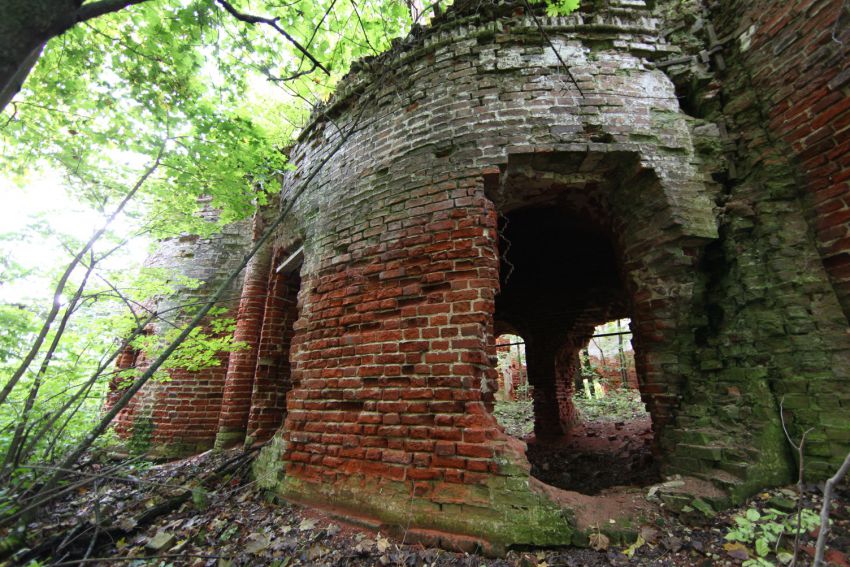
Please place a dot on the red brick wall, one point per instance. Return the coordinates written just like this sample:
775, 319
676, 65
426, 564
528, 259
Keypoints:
180, 416
610, 370
390, 353
182, 413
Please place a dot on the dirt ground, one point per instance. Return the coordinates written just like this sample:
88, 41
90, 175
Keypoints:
226, 521
596, 455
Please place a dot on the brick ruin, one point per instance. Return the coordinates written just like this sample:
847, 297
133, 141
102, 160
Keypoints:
684, 166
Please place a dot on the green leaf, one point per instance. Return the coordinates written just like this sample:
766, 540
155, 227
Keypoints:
561, 7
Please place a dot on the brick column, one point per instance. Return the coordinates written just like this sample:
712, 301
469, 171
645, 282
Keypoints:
541, 375
566, 368
272, 377
242, 364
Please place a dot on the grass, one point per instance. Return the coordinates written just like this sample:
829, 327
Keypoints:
517, 417
617, 405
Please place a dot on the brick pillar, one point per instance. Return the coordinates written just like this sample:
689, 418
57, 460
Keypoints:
541, 375
568, 373
272, 378
566, 368
239, 380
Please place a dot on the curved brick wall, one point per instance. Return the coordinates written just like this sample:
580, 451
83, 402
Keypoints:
392, 362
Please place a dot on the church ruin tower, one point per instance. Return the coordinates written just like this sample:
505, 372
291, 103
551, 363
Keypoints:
503, 169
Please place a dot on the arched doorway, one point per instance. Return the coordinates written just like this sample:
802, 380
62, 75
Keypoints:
585, 239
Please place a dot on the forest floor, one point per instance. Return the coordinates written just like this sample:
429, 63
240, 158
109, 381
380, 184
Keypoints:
206, 511
229, 522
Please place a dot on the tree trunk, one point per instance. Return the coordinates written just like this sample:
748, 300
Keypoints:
27, 25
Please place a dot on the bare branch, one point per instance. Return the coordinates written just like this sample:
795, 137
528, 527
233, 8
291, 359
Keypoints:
362, 27
820, 547
800, 471
272, 22
291, 77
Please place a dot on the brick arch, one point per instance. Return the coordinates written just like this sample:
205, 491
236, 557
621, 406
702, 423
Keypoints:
609, 195
395, 354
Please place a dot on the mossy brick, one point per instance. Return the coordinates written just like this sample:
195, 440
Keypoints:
710, 365
694, 437
702, 452
674, 501
839, 450
816, 468
818, 449
796, 401
837, 435
684, 464
836, 421
830, 403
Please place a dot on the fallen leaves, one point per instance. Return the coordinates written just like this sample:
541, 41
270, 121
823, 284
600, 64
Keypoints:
239, 527
630, 551
599, 541
256, 543
736, 550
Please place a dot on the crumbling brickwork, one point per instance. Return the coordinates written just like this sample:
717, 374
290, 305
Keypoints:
793, 63
181, 416
499, 170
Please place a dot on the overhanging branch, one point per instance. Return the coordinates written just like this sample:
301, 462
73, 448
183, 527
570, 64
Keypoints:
271, 22
94, 9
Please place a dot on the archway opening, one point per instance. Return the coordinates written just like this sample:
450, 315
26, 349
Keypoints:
514, 409
610, 440
561, 284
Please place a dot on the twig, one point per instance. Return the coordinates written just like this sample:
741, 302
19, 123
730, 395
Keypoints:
137, 558
272, 22
800, 469
59, 491
106, 476
820, 547
96, 525
147, 516
362, 27
291, 77
552, 45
